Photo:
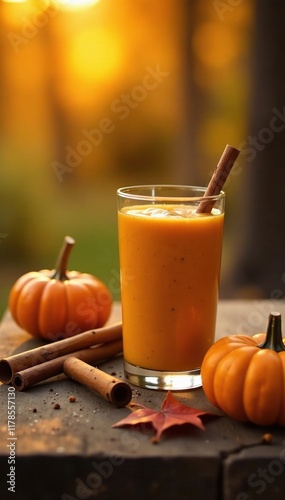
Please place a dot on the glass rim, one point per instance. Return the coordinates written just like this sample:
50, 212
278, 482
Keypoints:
128, 192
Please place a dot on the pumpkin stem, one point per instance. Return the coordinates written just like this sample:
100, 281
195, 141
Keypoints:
273, 338
61, 263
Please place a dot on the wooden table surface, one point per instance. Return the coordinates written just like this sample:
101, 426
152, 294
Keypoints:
73, 453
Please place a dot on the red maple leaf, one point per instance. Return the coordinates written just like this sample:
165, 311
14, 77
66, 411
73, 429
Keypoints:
172, 413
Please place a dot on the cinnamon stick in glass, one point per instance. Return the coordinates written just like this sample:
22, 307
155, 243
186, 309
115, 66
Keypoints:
42, 354
111, 388
218, 178
30, 376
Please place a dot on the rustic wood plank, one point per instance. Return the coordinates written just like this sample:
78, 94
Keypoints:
73, 452
255, 474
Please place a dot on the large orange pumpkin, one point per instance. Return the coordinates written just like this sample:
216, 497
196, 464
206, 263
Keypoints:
245, 376
58, 303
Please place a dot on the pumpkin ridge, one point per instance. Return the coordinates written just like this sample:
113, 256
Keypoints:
66, 306
16, 292
232, 407
281, 416
36, 329
255, 401
92, 296
72, 288
102, 311
40, 299
47, 299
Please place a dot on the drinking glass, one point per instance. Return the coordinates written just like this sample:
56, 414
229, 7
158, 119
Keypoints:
170, 255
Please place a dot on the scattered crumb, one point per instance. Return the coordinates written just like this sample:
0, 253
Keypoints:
72, 399
56, 406
113, 374
136, 392
35, 410
267, 438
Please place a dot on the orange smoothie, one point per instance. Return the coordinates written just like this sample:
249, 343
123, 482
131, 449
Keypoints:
170, 265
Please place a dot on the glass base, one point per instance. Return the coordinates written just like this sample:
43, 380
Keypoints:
162, 380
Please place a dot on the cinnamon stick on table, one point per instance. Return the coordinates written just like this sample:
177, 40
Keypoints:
18, 362
25, 378
218, 178
113, 389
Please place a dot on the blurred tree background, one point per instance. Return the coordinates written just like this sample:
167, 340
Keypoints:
97, 94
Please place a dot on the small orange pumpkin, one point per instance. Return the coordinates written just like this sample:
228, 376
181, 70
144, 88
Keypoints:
245, 376
57, 303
